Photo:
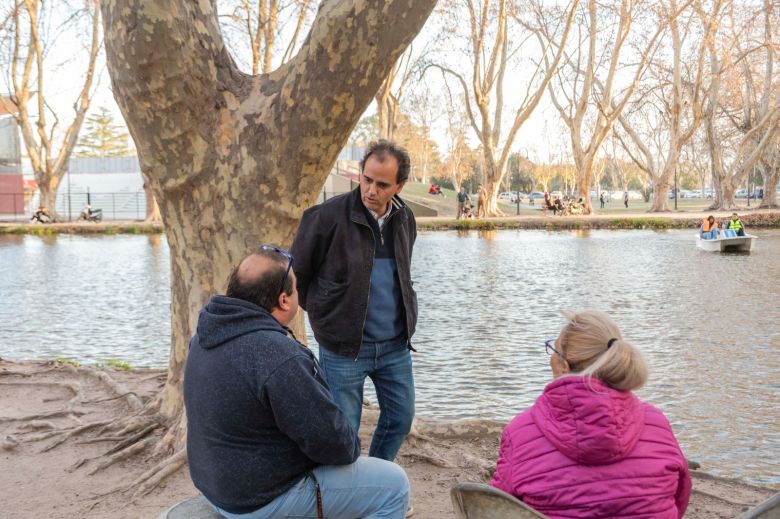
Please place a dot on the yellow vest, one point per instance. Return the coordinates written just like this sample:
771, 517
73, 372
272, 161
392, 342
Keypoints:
735, 225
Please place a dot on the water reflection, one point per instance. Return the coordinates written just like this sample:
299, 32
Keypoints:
708, 324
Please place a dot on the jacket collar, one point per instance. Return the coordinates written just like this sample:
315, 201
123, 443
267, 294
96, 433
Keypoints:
359, 212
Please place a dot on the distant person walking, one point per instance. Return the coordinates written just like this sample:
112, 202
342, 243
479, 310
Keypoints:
601, 199
481, 201
625, 198
463, 199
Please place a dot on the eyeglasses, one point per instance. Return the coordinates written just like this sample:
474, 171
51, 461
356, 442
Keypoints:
550, 348
286, 254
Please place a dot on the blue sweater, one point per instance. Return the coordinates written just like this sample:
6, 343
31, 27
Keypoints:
259, 414
385, 316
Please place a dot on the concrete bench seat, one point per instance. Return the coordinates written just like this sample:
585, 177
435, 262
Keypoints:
192, 508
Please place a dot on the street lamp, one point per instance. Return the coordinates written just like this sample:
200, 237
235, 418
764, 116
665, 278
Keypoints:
675, 189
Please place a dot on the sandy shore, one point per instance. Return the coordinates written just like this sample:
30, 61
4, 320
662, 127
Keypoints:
42, 477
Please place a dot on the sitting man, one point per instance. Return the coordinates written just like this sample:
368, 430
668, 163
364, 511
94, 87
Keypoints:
709, 229
735, 227
264, 437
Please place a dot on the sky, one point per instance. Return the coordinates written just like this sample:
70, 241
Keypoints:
543, 138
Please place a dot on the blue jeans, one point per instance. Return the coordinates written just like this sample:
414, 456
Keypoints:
370, 488
711, 235
389, 365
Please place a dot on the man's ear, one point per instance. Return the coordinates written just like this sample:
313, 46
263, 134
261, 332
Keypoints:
283, 302
400, 187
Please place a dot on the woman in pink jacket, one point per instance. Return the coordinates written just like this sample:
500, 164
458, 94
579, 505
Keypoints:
588, 447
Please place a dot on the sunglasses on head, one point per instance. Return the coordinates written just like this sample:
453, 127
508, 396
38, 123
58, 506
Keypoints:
283, 252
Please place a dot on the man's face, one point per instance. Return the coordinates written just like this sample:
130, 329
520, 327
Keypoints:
378, 183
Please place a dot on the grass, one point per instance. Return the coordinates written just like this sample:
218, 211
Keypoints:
117, 364
68, 360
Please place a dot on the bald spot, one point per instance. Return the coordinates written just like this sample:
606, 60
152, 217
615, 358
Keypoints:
254, 266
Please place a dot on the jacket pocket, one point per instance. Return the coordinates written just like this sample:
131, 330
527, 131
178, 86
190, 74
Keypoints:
326, 297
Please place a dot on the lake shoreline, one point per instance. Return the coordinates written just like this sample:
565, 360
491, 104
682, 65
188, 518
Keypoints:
759, 218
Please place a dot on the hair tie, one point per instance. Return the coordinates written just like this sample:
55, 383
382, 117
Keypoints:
609, 343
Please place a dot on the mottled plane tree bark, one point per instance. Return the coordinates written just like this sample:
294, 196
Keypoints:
234, 159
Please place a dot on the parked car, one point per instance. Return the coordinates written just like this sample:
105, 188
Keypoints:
741, 193
508, 196
535, 195
556, 194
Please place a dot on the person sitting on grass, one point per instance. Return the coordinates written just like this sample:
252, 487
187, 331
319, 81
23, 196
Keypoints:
41, 215
735, 226
588, 447
265, 438
709, 229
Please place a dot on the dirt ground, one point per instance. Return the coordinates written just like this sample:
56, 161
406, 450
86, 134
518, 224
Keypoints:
46, 473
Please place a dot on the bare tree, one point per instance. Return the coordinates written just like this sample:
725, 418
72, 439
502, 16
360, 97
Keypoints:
234, 159
484, 99
29, 45
668, 113
743, 125
588, 104
388, 98
256, 24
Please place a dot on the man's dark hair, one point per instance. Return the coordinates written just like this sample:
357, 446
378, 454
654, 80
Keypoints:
265, 289
381, 149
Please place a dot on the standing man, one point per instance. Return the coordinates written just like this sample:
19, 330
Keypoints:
463, 198
264, 436
625, 198
481, 201
353, 256
601, 199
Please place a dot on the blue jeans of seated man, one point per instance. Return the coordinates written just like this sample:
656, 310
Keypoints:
389, 365
370, 488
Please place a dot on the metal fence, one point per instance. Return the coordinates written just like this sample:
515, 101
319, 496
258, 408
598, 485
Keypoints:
115, 206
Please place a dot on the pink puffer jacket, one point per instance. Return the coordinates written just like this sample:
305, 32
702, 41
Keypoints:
584, 450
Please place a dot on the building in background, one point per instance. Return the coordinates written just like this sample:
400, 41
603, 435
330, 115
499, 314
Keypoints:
11, 180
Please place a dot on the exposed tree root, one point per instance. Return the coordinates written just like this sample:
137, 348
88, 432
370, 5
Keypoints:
99, 400
132, 399
123, 454
36, 425
133, 433
150, 479
427, 458
70, 434
54, 414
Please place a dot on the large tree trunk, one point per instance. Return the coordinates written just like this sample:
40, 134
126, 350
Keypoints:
660, 198
771, 179
234, 159
48, 190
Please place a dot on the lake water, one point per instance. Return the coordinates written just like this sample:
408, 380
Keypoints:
708, 324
